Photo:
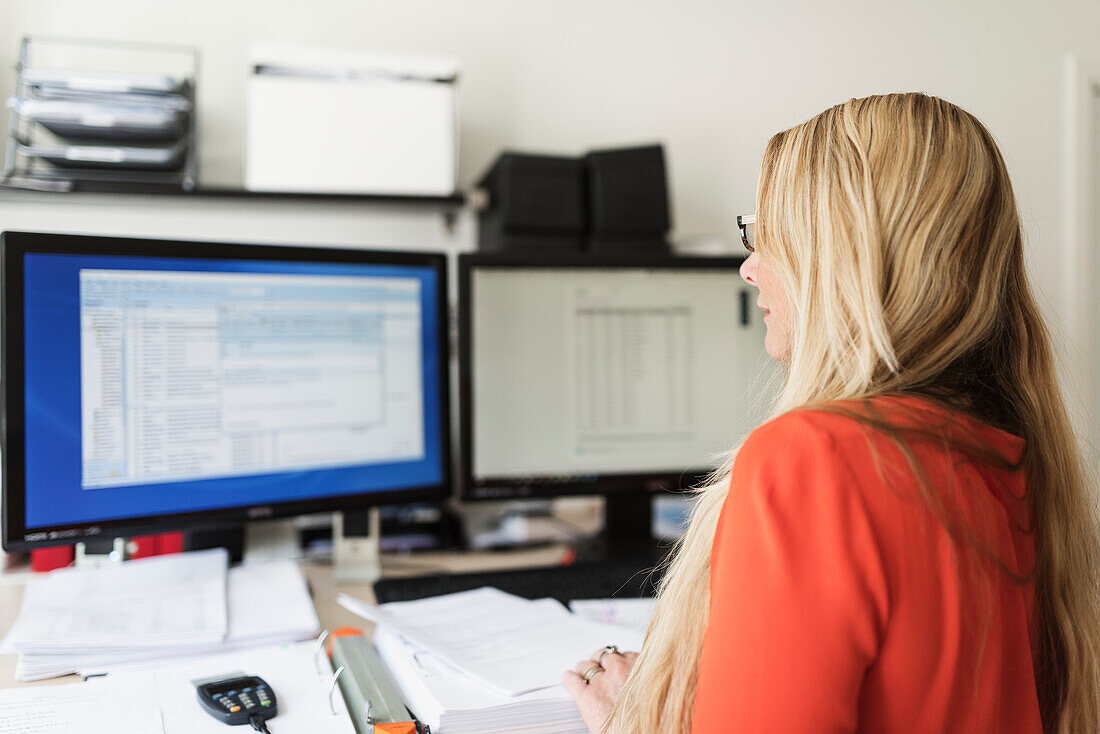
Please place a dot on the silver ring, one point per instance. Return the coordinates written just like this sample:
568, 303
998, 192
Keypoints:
591, 672
604, 651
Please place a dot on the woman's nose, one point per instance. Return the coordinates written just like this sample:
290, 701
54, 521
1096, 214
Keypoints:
748, 269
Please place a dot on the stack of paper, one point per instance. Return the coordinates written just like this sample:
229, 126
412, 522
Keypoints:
268, 603
166, 601
453, 703
95, 621
486, 661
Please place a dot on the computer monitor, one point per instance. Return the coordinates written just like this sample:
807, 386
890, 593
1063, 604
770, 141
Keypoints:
618, 376
153, 385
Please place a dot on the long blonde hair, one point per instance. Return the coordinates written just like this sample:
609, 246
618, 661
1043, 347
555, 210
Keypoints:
891, 222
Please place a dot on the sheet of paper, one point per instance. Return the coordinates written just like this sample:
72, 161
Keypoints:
479, 631
633, 613
165, 600
269, 599
268, 603
94, 707
301, 689
161, 698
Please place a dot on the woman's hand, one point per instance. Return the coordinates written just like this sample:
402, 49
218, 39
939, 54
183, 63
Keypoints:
606, 671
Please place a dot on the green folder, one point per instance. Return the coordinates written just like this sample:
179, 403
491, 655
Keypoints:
369, 692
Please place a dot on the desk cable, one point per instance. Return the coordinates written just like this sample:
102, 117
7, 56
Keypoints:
258, 724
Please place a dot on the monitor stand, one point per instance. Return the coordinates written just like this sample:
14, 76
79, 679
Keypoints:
627, 534
100, 552
356, 554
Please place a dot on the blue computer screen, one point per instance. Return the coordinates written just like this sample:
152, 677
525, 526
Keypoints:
160, 385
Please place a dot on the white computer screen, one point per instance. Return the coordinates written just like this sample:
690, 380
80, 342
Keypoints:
587, 371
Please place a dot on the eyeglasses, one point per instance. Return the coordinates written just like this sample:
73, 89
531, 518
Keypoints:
747, 224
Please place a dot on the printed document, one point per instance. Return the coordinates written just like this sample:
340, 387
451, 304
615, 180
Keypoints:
633, 613
95, 707
478, 632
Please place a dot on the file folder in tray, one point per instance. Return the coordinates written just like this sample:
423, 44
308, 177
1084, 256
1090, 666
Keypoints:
111, 121
118, 158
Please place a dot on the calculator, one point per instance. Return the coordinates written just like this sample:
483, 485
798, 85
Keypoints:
238, 700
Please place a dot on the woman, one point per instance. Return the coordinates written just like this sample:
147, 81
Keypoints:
909, 544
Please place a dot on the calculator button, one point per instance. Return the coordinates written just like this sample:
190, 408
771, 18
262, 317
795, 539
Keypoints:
234, 709
246, 690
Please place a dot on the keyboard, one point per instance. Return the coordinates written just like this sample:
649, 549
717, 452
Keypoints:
594, 580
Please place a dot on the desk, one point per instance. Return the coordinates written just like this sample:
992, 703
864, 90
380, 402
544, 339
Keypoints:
323, 589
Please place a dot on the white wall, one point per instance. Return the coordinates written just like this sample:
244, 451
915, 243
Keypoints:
710, 79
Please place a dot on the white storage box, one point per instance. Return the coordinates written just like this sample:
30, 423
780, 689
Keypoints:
351, 123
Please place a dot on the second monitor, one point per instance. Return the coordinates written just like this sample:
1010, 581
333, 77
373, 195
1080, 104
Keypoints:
613, 376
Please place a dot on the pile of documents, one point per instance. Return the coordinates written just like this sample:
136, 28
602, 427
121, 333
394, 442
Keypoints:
486, 661
93, 621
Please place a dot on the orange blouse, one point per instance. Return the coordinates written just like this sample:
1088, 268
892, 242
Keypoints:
839, 602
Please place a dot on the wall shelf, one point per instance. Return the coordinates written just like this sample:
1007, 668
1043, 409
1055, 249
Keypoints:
453, 201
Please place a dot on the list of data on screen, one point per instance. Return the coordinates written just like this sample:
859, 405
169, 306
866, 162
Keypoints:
583, 371
196, 375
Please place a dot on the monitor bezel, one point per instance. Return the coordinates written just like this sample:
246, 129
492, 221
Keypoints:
472, 489
14, 245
